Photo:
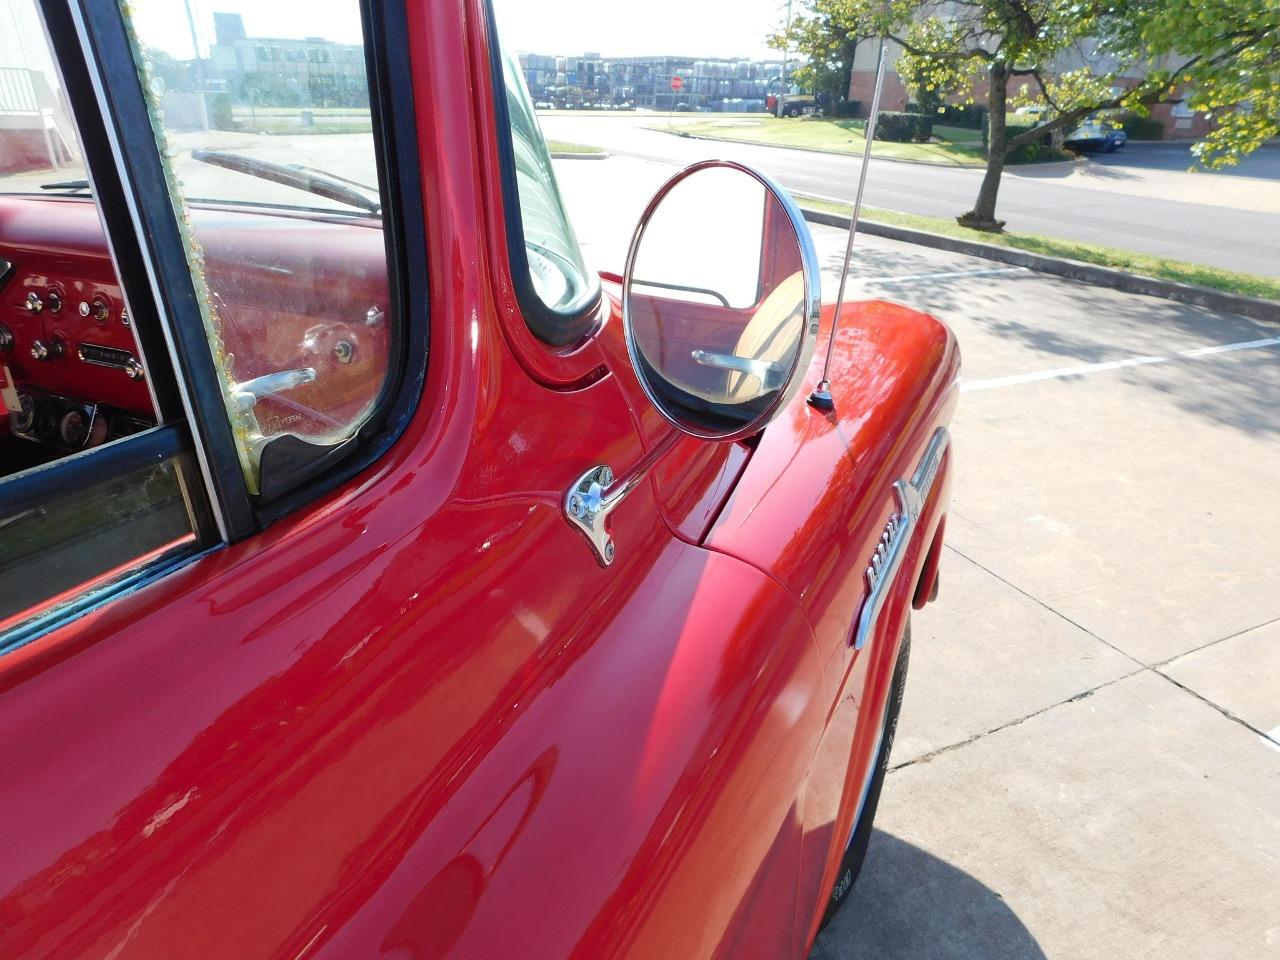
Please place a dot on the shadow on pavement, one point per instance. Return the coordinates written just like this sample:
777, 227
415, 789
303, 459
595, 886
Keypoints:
910, 904
1065, 323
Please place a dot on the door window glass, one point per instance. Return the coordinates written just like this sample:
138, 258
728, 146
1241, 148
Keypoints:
261, 115
95, 490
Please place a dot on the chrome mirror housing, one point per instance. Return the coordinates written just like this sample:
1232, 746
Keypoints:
720, 300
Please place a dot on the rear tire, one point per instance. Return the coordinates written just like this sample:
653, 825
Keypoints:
856, 852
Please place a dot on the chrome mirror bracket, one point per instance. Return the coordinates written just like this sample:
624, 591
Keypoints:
588, 509
597, 493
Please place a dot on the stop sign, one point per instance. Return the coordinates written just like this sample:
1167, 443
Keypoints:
676, 83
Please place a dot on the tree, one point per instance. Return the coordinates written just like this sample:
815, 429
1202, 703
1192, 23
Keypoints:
1083, 56
827, 40
1225, 55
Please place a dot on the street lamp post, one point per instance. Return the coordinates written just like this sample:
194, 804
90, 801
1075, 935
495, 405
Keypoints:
786, 48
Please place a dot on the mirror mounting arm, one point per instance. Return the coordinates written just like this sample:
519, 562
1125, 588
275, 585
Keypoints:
597, 493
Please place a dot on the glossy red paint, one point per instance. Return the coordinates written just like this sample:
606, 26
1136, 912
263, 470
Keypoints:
417, 719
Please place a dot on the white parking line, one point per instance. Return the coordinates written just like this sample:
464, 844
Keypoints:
943, 275
1088, 368
1272, 738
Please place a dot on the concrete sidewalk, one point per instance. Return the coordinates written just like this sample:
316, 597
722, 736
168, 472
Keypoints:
1081, 769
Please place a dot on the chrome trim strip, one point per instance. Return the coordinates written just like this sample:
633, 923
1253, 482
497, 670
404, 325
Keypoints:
911, 496
812, 294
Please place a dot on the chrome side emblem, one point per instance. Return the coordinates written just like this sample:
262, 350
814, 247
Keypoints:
911, 496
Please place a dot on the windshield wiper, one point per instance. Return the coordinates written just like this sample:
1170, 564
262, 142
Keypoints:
66, 185
312, 181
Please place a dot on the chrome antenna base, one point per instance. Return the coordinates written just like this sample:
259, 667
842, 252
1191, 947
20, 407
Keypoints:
821, 396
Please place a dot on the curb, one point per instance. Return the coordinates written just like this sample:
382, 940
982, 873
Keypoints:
604, 155
845, 153
1255, 308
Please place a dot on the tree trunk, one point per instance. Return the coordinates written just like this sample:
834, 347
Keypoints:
983, 214
848, 50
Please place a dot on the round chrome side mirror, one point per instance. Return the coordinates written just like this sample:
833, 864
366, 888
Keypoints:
720, 300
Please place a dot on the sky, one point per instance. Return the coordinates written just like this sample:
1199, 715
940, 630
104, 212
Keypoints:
623, 28
617, 28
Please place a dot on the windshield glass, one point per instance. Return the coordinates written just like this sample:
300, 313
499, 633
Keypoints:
556, 266
277, 93
38, 141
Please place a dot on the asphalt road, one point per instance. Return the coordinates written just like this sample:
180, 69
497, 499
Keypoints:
1264, 163
1032, 199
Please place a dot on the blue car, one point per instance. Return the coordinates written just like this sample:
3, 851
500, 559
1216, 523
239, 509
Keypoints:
1096, 133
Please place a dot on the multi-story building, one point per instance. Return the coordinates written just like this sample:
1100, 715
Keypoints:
280, 72
709, 83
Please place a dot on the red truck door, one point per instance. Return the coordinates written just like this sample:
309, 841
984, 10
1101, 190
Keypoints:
370, 695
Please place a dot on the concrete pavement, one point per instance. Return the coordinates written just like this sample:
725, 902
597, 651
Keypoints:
1082, 767
1088, 762
1111, 206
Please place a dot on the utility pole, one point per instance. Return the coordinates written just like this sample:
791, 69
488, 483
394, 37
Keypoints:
198, 65
786, 48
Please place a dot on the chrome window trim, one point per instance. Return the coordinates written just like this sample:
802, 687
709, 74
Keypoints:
216, 507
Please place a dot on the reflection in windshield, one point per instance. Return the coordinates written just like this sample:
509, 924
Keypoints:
253, 79
38, 142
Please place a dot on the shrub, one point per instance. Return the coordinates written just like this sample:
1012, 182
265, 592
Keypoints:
903, 127
219, 107
1040, 148
847, 108
970, 115
1143, 128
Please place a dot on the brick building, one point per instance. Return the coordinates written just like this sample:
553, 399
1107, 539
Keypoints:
1178, 122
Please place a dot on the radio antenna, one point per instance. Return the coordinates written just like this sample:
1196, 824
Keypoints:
821, 396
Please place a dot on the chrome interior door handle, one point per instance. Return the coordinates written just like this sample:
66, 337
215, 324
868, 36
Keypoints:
249, 392
771, 375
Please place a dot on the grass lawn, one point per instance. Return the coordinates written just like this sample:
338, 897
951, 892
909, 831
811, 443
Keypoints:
953, 145
1144, 264
957, 134
559, 146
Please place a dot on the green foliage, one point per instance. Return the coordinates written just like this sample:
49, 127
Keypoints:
825, 39
903, 127
1225, 57
972, 116
847, 108
1040, 148
1221, 56
1142, 128
220, 114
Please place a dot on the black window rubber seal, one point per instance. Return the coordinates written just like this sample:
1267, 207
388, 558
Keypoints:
552, 327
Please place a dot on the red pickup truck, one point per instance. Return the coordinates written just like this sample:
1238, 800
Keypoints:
377, 580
